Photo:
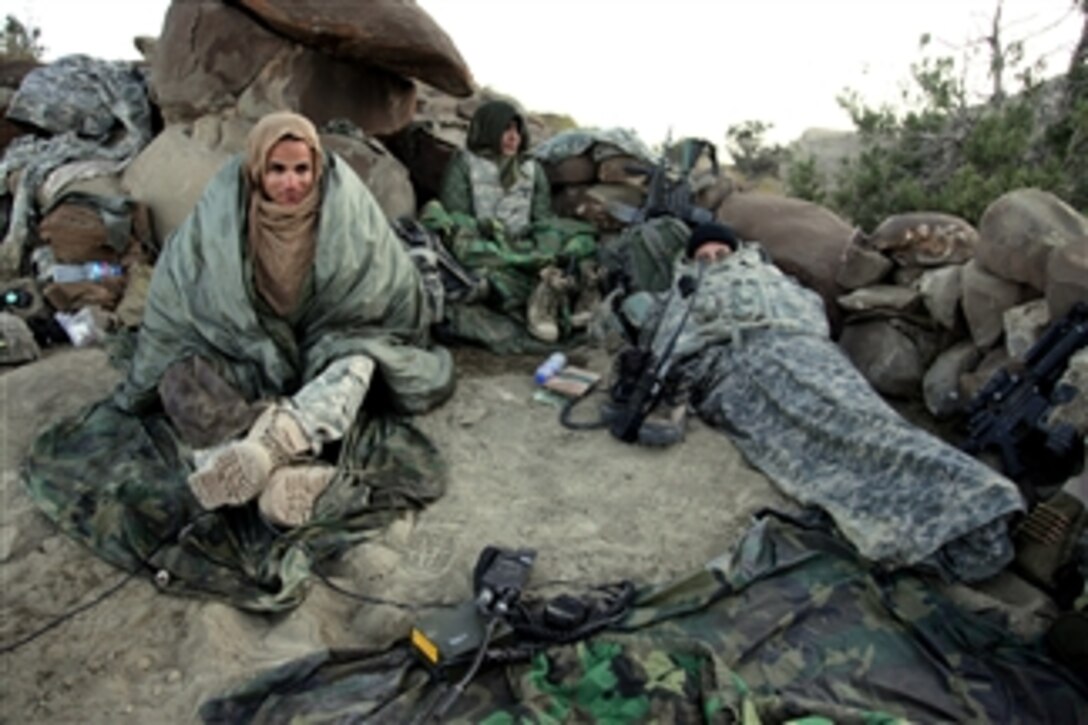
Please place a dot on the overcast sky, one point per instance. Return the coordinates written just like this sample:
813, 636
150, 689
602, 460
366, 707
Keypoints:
695, 66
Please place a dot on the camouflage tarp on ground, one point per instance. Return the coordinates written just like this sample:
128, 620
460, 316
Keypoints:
792, 624
116, 482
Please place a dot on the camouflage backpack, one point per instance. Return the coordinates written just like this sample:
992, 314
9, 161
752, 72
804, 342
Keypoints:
641, 259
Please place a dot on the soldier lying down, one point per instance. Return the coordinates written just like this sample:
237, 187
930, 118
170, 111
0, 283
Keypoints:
751, 349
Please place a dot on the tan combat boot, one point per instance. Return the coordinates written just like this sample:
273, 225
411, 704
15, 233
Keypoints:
1046, 539
240, 471
589, 293
544, 304
289, 498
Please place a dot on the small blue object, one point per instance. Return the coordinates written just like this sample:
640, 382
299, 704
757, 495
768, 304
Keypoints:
100, 270
555, 362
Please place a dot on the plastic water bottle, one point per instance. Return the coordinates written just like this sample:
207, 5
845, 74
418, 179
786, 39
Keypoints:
555, 362
92, 271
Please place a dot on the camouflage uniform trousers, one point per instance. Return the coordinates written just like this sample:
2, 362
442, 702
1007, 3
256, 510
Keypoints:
325, 407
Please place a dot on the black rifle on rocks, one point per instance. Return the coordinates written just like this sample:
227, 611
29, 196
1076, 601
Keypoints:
1008, 415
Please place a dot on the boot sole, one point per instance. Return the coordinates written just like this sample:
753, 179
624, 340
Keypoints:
289, 499
231, 479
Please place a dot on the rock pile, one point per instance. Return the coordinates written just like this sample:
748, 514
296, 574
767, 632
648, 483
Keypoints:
934, 305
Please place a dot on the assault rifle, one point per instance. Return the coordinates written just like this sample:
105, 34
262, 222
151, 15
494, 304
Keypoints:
459, 284
642, 375
1008, 415
665, 195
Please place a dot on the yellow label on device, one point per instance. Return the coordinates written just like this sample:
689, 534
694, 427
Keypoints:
425, 646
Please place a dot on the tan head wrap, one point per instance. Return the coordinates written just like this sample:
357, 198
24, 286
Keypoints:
281, 238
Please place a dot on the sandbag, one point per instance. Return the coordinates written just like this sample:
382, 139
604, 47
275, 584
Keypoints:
81, 227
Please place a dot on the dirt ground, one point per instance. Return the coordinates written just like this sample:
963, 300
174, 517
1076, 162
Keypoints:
595, 509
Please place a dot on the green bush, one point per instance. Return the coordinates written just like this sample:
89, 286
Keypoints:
804, 180
942, 153
19, 41
745, 144
951, 157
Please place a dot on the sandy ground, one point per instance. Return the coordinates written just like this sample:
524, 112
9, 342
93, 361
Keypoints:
595, 509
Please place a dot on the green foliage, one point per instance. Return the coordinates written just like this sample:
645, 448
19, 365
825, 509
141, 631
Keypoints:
938, 152
19, 41
804, 180
751, 156
942, 154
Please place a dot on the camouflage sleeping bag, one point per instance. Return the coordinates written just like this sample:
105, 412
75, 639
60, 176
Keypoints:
114, 476
792, 625
511, 267
756, 354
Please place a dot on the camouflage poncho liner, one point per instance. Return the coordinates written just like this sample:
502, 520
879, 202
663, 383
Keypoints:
114, 476
756, 351
792, 625
366, 299
511, 267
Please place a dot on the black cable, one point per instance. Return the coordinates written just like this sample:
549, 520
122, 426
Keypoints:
61, 619
621, 597
568, 408
27, 639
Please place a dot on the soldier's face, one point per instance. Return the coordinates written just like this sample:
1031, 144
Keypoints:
289, 172
511, 139
712, 252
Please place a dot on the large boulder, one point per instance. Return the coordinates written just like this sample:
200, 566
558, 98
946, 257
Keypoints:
1067, 277
313, 84
385, 176
396, 35
893, 354
804, 239
205, 57
212, 57
985, 299
1021, 229
170, 174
